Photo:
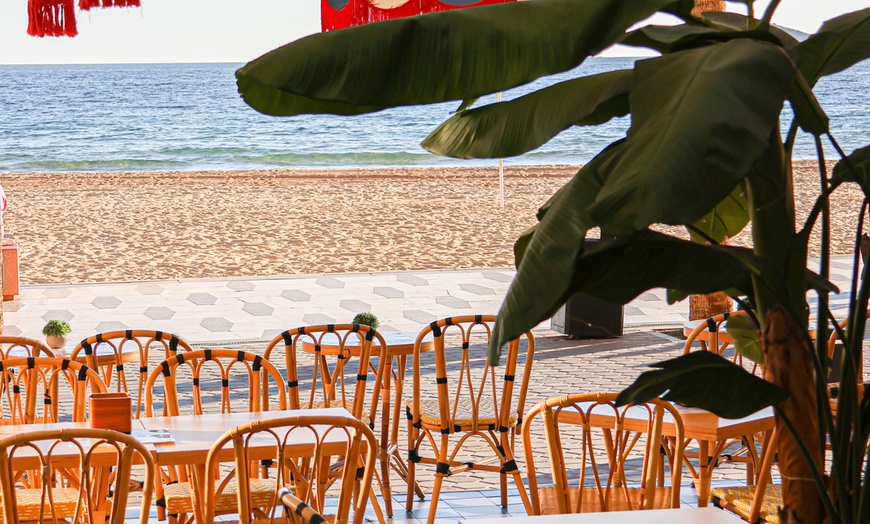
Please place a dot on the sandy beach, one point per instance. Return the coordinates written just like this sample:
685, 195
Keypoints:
101, 227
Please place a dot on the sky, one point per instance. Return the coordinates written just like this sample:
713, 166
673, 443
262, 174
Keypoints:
241, 30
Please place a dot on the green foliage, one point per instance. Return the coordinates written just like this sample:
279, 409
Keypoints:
683, 380
56, 328
704, 151
366, 319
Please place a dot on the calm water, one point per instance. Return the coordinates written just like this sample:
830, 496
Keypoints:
190, 117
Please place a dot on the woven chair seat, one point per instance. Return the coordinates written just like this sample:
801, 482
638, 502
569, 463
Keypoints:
336, 403
430, 415
740, 498
179, 496
30, 503
619, 500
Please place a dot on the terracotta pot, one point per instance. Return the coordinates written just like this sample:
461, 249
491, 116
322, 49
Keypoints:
55, 342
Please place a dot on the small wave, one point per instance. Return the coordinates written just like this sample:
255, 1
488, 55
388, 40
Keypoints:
123, 164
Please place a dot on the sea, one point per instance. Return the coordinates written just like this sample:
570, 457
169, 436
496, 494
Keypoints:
190, 117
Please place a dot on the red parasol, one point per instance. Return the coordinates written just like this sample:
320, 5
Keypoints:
58, 17
338, 14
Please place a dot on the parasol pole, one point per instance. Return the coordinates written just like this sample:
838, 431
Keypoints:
500, 174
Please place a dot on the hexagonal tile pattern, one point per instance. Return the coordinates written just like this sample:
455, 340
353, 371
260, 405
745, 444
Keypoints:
258, 309
649, 297
202, 299
149, 289
11, 331
269, 334
57, 292
357, 306
296, 295
12, 306
104, 327
453, 302
476, 289
329, 282
412, 280
240, 285
60, 314
497, 276
215, 324
106, 302
389, 292
419, 316
159, 313
315, 319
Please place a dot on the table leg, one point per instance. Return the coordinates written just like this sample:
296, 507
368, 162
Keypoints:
398, 460
705, 473
386, 437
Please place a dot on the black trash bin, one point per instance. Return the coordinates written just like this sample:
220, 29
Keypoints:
584, 316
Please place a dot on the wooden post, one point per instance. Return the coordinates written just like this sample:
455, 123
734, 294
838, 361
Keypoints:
704, 6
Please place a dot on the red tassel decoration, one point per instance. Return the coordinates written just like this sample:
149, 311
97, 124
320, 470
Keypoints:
87, 5
51, 18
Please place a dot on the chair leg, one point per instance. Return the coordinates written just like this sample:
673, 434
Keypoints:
439, 478
384, 482
504, 495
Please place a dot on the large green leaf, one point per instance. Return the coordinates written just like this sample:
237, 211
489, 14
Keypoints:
738, 22
700, 120
840, 43
728, 218
745, 334
705, 380
669, 39
855, 168
544, 274
622, 269
453, 55
521, 125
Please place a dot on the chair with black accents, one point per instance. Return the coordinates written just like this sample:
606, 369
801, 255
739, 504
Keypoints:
43, 390
243, 381
121, 355
467, 398
596, 438
305, 475
338, 365
11, 347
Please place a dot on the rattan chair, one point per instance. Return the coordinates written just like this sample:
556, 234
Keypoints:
602, 438
469, 400
12, 347
89, 454
331, 365
253, 375
120, 356
46, 390
304, 445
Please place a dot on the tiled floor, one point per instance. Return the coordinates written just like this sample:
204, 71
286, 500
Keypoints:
237, 309
246, 312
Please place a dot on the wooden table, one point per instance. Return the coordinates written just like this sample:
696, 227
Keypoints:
193, 437
712, 432
399, 346
656, 516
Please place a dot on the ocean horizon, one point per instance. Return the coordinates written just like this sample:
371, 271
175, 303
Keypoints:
189, 117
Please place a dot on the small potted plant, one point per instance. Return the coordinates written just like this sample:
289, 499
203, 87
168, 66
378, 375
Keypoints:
366, 319
55, 332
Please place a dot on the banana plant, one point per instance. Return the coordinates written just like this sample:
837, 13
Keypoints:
704, 150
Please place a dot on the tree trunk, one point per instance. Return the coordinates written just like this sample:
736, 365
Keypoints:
788, 364
704, 6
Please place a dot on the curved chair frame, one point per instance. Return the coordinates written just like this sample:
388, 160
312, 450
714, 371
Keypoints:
304, 470
498, 429
13, 347
89, 456
26, 375
620, 434
109, 352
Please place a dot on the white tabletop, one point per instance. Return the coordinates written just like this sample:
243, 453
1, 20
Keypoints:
655, 516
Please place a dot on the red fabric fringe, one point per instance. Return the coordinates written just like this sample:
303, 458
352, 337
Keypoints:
51, 18
87, 5
360, 12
